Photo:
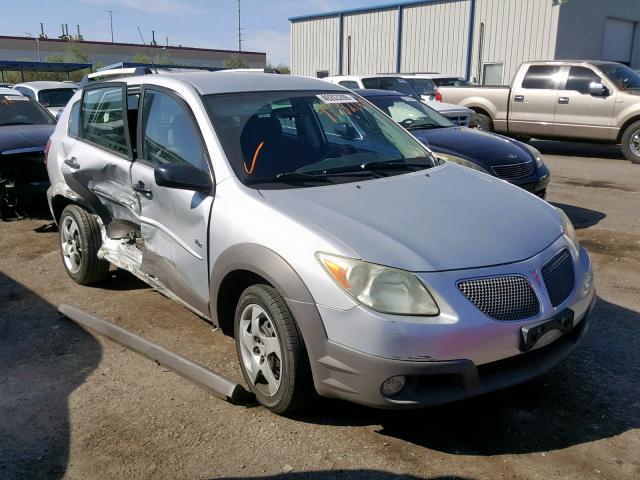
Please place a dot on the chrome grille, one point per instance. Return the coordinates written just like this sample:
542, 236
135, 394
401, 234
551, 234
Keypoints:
513, 171
558, 277
508, 297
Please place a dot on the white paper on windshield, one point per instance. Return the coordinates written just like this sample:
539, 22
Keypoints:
336, 98
18, 98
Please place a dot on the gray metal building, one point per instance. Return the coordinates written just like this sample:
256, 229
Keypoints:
482, 39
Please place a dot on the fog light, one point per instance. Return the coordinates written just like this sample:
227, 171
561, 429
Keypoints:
588, 280
393, 385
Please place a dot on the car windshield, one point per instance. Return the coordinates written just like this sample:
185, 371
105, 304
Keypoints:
284, 139
451, 82
410, 113
622, 76
55, 97
19, 110
423, 86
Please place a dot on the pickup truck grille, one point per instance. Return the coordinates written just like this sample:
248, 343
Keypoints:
460, 120
508, 297
514, 171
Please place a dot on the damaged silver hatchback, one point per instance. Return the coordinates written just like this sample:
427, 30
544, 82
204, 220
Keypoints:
345, 259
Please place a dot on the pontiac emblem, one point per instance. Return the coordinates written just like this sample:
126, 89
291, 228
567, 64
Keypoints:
536, 277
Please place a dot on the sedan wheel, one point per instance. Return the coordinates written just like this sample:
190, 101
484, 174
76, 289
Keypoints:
71, 245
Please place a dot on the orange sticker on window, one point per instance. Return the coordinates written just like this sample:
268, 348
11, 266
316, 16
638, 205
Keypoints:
253, 162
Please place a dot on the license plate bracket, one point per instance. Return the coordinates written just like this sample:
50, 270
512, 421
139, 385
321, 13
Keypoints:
530, 334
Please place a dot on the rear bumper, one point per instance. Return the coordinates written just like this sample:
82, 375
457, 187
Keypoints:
355, 376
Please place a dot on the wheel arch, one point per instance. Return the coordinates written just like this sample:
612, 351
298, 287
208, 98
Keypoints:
626, 124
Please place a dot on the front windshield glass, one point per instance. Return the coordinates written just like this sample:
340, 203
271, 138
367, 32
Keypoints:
410, 113
622, 76
423, 86
451, 82
19, 110
281, 139
55, 97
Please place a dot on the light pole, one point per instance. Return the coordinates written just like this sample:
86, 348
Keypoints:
111, 23
30, 35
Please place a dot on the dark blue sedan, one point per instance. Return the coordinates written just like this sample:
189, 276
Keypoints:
500, 156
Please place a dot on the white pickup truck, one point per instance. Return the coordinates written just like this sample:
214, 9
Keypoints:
592, 101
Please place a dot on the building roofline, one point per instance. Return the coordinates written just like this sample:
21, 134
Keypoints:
119, 44
372, 8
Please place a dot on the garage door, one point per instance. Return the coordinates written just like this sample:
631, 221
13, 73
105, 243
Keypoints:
618, 40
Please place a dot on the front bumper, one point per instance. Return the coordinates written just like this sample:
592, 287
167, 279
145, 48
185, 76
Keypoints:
536, 184
461, 353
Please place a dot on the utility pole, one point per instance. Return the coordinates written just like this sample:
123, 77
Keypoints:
239, 30
111, 22
37, 39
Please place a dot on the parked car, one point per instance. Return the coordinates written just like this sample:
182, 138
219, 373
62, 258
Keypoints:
445, 80
422, 89
593, 101
345, 260
496, 155
25, 127
52, 95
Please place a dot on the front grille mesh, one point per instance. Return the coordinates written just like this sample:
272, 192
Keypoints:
513, 171
508, 297
559, 277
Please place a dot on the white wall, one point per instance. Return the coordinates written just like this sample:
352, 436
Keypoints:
373, 42
314, 46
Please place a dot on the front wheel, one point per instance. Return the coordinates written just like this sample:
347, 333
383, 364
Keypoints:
631, 143
271, 352
80, 241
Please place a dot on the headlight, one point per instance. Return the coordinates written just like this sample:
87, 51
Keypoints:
460, 161
384, 289
569, 229
536, 154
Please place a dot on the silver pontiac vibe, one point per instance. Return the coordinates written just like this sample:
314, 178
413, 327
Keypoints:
344, 258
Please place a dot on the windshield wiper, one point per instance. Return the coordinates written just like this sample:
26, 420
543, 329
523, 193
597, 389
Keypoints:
423, 126
289, 177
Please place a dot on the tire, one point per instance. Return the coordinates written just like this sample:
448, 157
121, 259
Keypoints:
80, 241
631, 143
275, 366
484, 122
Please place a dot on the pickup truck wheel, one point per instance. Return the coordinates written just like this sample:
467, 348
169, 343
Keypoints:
631, 143
272, 356
484, 122
80, 241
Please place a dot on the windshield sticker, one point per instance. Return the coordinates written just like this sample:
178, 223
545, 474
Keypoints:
15, 98
409, 99
336, 98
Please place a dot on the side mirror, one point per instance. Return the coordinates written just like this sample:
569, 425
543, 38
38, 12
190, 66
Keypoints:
597, 89
58, 115
345, 130
184, 177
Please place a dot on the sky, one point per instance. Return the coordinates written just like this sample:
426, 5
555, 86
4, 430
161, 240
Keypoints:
194, 23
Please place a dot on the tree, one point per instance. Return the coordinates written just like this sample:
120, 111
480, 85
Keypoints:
235, 61
141, 58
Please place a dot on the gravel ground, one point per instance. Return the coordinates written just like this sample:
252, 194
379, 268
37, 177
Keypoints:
75, 405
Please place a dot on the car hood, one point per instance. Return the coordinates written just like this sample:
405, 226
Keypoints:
445, 218
447, 107
485, 149
16, 137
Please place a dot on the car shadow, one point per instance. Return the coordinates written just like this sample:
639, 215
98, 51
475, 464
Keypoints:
592, 395
121, 280
346, 474
43, 359
580, 217
579, 149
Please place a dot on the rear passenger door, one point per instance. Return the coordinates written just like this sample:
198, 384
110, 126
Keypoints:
174, 222
533, 103
97, 164
580, 114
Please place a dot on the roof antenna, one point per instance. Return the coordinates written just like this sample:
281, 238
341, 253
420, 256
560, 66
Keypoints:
147, 51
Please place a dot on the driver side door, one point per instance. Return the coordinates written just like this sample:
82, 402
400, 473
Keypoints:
174, 221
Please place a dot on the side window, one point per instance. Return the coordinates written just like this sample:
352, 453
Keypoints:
543, 77
103, 119
74, 120
168, 132
370, 83
349, 84
580, 78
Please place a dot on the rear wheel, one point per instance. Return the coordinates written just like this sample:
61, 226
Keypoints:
271, 352
80, 241
631, 143
484, 122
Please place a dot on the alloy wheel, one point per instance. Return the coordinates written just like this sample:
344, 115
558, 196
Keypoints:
634, 145
71, 245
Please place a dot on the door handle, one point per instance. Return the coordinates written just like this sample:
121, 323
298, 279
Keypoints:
141, 188
563, 100
518, 98
72, 162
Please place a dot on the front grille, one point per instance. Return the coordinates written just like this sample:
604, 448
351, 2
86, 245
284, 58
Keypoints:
558, 277
460, 120
508, 297
515, 170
